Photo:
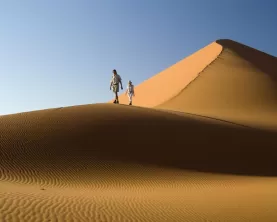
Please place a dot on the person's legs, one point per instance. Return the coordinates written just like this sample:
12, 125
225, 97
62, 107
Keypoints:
115, 90
116, 97
130, 95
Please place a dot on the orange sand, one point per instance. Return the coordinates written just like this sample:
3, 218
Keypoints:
239, 86
171, 81
225, 80
185, 155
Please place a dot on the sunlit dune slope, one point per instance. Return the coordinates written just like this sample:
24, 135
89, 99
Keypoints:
239, 86
108, 162
171, 81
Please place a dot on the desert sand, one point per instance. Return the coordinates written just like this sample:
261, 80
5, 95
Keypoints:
202, 149
240, 85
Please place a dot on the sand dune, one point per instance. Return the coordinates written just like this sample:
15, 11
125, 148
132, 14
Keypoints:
239, 86
171, 81
107, 162
199, 150
224, 80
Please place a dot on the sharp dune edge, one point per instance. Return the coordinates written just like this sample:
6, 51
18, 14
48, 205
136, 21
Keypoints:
224, 80
239, 86
171, 81
185, 153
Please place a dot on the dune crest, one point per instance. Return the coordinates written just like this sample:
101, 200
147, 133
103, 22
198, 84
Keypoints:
239, 86
171, 81
224, 80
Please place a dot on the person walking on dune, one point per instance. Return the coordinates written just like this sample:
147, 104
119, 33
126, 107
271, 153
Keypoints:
130, 91
116, 80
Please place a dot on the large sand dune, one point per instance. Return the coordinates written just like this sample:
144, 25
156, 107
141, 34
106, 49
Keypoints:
239, 86
107, 162
171, 81
224, 80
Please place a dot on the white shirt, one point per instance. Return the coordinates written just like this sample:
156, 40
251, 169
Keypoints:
116, 79
130, 88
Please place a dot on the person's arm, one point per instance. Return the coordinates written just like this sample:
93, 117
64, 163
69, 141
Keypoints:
110, 85
121, 83
133, 91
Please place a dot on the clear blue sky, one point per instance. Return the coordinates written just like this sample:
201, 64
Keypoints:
61, 52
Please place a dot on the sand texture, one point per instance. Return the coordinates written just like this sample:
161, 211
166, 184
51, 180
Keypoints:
204, 149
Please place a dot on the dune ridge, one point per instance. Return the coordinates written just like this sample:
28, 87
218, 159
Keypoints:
163, 86
225, 80
177, 155
239, 86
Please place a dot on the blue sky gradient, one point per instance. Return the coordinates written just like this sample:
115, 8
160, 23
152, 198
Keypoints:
62, 52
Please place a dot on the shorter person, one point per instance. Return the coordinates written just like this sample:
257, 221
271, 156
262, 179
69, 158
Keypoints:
130, 91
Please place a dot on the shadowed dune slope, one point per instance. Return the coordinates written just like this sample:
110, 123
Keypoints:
40, 140
172, 80
107, 162
239, 86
